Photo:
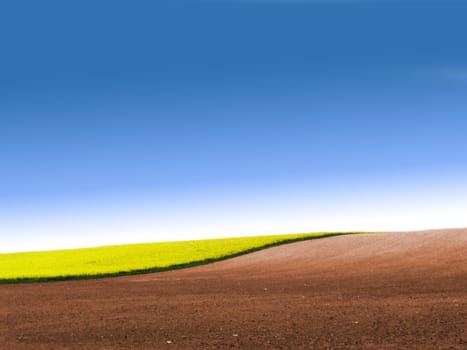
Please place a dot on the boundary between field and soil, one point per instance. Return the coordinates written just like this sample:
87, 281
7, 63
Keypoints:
175, 266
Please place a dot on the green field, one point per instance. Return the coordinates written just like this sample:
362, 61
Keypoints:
132, 258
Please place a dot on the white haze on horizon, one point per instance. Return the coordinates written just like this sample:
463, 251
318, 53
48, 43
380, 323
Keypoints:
139, 220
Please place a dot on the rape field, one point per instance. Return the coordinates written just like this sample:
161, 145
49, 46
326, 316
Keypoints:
132, 258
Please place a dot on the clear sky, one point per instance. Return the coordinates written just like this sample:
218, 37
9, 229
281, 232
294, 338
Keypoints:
134, 121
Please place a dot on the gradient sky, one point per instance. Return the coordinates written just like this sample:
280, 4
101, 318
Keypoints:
133, 121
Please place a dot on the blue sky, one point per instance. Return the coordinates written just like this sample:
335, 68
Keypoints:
144, 121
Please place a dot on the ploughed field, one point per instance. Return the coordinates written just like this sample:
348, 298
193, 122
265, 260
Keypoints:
384, 291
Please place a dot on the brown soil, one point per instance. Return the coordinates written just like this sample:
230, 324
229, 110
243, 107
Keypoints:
388, 291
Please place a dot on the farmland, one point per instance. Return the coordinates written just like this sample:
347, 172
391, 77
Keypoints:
366, 291
132, 258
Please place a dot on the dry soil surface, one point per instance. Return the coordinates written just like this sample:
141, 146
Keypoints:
381, 291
